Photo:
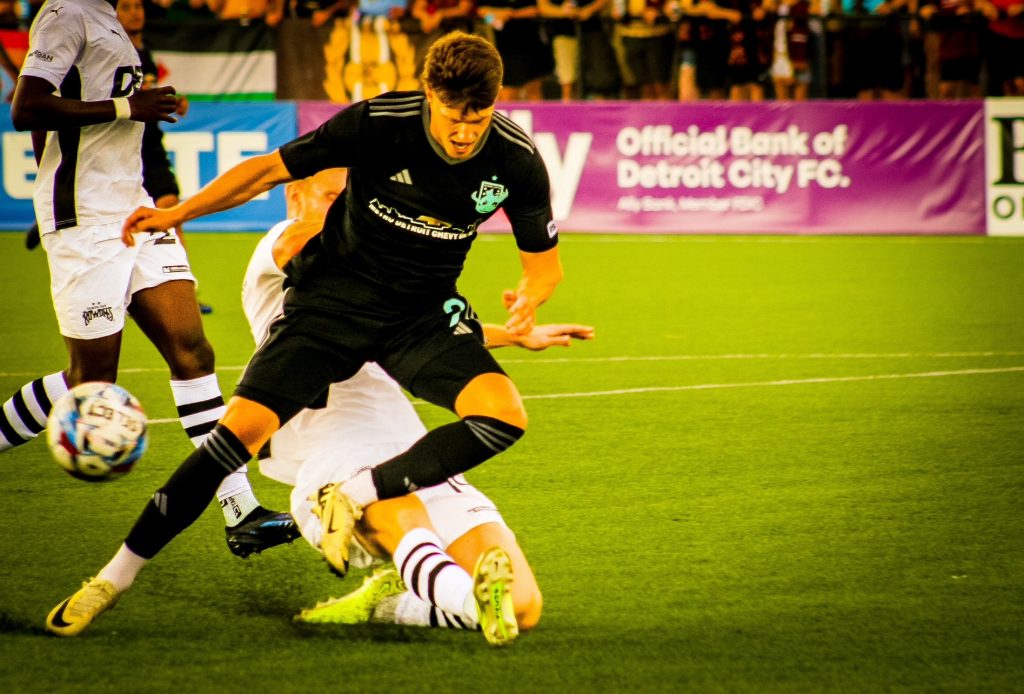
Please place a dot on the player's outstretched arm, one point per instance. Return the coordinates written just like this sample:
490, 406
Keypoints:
541, 274
539, 338
35, 106
235, 186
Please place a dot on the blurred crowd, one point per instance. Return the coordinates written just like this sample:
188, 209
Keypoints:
741, 50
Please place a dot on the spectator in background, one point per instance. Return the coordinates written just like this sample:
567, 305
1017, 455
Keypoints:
318, 12
873, 49
648, 40
178, 10
245, 11
750, 50
574, 30
791, 65
436, 18
1006, 39
560, 18
599, 68
709, 34
959, 46
524, 52
9, 15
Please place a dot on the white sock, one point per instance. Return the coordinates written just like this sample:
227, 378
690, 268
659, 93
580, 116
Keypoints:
200, 405
236, 497
433, 576
122, 569
23, 416
361, 488
406, 609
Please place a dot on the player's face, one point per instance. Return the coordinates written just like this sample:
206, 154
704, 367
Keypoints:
319, 192
131, 15
457, 130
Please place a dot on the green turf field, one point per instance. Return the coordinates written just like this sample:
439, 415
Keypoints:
786, 464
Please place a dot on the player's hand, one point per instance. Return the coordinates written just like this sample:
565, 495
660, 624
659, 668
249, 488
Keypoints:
182, 104
148, 219
555, 335
156, 104
522, 311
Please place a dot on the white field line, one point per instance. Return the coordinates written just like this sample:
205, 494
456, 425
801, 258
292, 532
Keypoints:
669, 357
613, 237
753, 384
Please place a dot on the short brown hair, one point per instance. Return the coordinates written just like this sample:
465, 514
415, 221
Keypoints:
465, 71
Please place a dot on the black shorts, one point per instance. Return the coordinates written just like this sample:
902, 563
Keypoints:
432, 353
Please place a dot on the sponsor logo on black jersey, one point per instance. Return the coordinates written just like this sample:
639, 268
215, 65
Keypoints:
97, 310
552, 229
422, 224
489, 197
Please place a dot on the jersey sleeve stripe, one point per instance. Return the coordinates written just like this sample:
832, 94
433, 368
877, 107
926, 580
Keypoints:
512, 133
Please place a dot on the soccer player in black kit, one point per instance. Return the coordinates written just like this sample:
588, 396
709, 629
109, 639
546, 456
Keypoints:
378, 284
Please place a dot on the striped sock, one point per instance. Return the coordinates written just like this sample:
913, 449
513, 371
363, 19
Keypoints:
408, 610
200, 404
23, 416
435, 578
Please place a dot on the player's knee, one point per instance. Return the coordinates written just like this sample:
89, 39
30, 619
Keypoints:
192, 357
528, 610
492, 395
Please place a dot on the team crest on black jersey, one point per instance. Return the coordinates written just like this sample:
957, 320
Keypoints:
489, 197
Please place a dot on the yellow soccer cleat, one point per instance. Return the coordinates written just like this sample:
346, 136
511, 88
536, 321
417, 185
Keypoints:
338, 515
357, 606
492, 588
72, 616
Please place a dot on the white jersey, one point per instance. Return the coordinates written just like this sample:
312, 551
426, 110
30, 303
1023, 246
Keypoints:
88, 176
368, 409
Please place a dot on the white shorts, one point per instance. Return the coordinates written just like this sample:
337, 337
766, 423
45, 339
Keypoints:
93, 275
455, 507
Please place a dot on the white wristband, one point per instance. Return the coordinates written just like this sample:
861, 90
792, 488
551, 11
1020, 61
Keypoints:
122, 108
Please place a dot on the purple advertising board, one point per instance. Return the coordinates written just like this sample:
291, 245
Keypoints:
780, 167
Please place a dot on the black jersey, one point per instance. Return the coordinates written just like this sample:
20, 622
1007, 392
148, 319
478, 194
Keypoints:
410, 213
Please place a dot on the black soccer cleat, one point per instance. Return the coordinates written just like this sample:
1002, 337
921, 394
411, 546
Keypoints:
261, 530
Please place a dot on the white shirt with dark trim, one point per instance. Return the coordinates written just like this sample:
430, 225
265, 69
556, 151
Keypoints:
90, 175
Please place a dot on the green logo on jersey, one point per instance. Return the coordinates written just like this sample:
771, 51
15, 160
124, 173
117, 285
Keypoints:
489, 197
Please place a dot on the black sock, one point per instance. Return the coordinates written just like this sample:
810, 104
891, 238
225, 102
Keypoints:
187, 493
446, 451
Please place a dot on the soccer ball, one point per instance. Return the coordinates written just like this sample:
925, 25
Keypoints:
96, 431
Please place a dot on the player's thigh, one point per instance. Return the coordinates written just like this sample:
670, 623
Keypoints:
90, 272
437, 355
304, 354
168, 315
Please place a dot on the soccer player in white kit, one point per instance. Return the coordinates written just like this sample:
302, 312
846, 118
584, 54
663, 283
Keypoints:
437, 535
80, 89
